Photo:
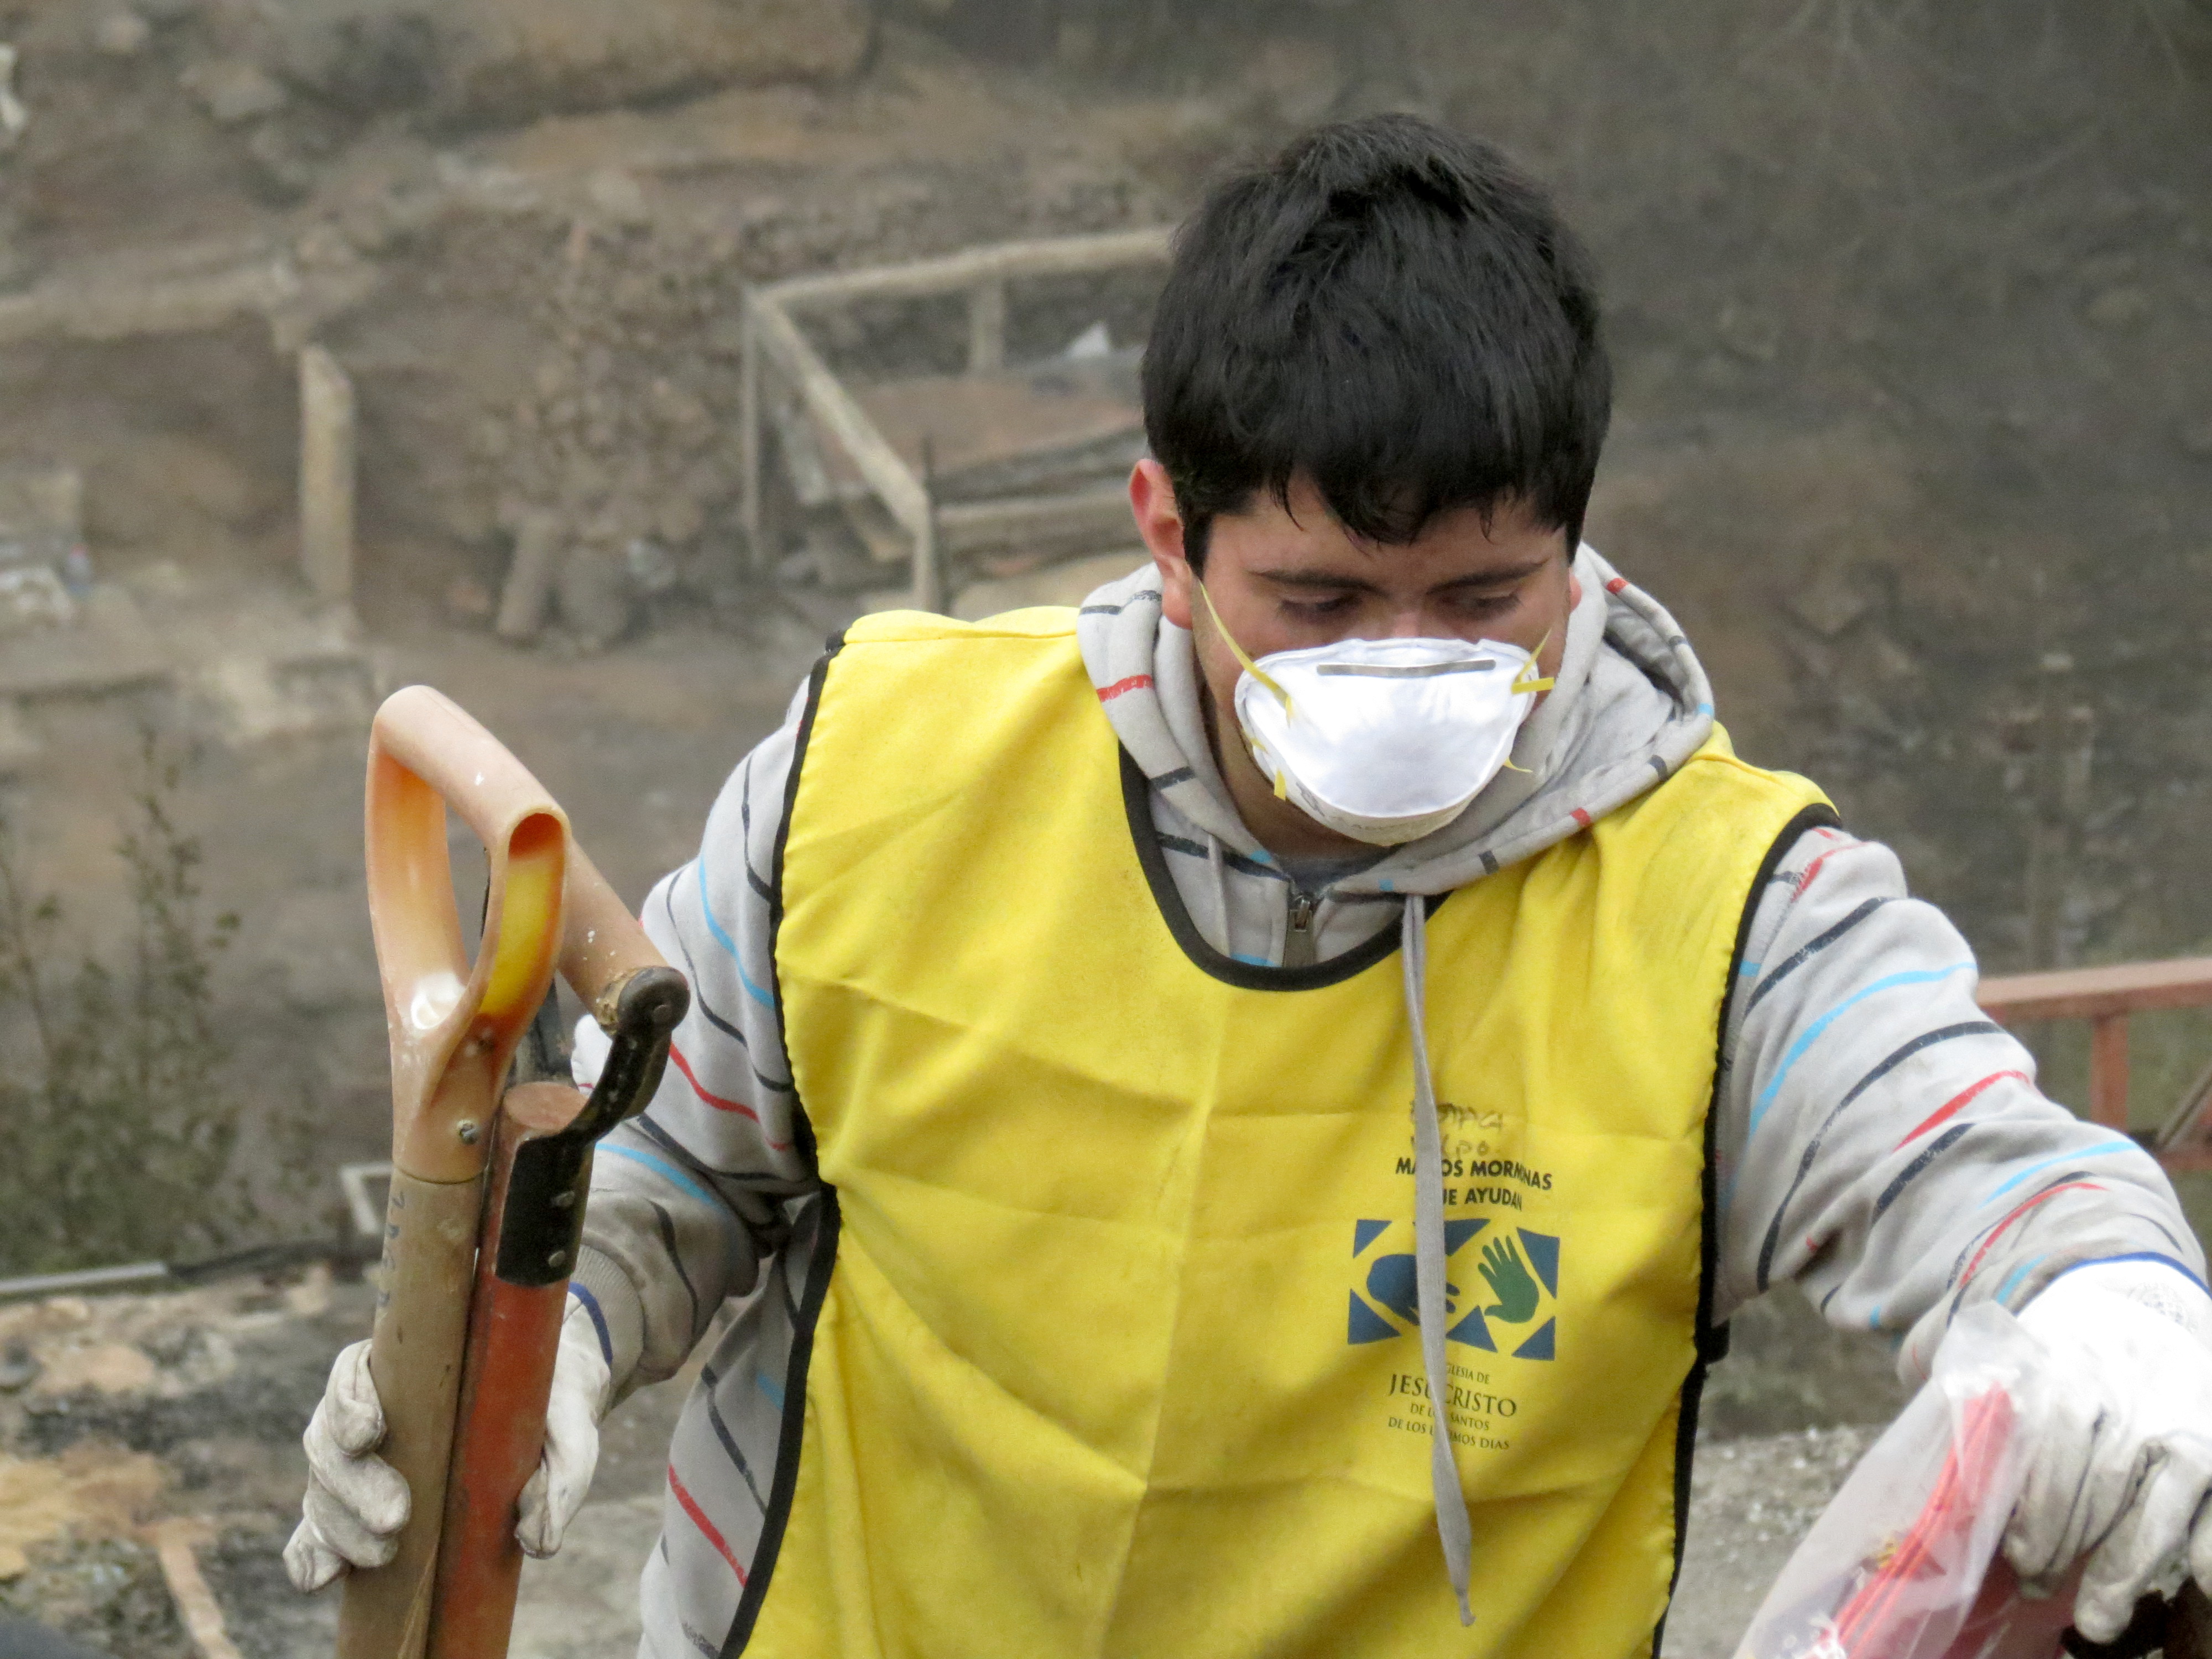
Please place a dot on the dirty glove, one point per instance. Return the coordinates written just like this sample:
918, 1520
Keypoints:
2120, 1443
582, 1392
356, 1502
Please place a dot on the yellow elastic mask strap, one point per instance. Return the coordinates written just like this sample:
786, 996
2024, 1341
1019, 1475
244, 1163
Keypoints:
1245, 662
1528, 679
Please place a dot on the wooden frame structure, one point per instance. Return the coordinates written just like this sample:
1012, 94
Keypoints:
775, 346
2106, 997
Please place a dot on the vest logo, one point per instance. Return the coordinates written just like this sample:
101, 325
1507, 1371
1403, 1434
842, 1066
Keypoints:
1514, 1310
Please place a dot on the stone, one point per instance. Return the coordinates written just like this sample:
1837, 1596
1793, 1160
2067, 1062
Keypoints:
1751, 334
19, 1367
1828, 604
619, 195
469, 602
33, 596
2120, 307
651, 566
679, 518
121, 34
594, 596
232, 91
14, 116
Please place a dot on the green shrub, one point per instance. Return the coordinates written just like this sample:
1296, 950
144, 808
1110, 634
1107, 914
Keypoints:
117, 1132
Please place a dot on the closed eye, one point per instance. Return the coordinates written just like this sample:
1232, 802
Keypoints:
1484, 605
1315, 610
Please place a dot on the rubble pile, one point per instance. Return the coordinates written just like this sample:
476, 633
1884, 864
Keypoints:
132, 1425
619, 438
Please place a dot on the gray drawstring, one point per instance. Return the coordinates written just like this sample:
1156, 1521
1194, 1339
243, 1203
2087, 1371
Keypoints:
1221, 891
1453, 1527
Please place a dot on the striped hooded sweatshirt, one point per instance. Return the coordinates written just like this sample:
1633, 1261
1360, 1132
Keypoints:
1879, 1140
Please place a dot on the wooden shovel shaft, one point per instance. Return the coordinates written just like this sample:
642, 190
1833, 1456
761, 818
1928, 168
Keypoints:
429, 1248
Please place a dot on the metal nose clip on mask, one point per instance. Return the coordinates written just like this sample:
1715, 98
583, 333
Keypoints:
1384, 740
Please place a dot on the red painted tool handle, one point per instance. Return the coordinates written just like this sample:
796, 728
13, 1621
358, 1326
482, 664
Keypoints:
532, 1227
514, 1333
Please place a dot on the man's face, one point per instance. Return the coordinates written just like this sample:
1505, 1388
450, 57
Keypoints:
1282, 580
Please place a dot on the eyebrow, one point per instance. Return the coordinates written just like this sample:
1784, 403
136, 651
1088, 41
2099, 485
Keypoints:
1333, 579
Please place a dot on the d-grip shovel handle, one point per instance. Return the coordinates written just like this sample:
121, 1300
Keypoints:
453, 1028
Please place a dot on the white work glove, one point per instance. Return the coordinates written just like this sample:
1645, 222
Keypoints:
2120, 1442
356, 1502
582, 1391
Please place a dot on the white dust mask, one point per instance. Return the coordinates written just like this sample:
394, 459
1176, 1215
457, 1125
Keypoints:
1384, 740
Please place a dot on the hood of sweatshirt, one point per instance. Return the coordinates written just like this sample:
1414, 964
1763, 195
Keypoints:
1630, 703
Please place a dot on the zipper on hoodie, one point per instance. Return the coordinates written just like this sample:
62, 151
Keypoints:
1298, 937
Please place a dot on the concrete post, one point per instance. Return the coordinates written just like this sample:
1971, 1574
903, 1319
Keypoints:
751, 413
987, 326
326, 475
928, 588
530, 577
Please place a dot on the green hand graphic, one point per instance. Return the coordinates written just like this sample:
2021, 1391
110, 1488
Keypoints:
1510, 1281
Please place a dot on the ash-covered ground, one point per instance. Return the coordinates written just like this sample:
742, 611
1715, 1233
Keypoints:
125, 1418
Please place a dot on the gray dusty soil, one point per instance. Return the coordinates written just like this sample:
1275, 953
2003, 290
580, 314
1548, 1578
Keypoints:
209, 1389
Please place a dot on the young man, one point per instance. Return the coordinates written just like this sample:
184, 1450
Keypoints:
1143, 1060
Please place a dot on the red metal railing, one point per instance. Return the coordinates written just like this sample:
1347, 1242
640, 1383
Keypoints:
2106, 997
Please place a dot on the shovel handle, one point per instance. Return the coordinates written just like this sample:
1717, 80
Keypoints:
602, 946
455, 1023
454, 1026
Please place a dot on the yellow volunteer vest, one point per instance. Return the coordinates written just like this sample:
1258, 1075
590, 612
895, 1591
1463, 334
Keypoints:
1118, 1356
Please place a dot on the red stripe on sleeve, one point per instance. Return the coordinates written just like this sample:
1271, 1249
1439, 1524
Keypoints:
1956, 1103
707, 1527
720, 1104
700, 1088
1134, 682
2063, 1186
1813, 868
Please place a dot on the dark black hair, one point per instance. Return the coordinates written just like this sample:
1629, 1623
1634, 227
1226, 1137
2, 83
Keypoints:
1392, 311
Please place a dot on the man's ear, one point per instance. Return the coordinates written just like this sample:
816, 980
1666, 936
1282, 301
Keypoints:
1152, 499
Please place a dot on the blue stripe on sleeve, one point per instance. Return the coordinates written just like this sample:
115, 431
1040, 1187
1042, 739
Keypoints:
722, 938
661, 1166
1918, 976
2003, 1296
2102, 1149
677, 1177
599, 1321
